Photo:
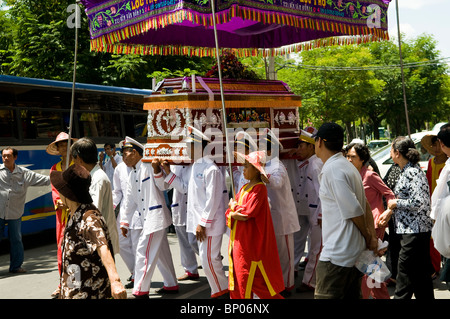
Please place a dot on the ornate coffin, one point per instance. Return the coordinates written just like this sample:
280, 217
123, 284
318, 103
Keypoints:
250, 105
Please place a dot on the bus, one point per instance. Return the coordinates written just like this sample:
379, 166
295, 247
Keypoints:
34, 111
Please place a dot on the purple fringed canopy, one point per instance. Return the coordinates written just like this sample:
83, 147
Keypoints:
248, 27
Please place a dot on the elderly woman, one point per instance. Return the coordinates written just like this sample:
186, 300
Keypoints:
375, 189
411, 210
88, 270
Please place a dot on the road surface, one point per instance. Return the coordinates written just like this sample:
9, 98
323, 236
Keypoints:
42, 277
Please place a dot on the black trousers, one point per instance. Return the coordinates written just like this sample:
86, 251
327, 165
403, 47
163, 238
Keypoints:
413, 276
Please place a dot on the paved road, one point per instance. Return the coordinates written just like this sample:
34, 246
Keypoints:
42, 276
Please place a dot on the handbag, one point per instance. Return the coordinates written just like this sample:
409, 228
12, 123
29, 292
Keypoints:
441, 228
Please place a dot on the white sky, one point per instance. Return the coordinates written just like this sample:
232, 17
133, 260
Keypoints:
422, 16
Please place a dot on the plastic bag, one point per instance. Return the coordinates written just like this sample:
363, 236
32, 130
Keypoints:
373, 266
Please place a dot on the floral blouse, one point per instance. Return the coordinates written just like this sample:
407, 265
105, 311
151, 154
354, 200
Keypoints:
83, 274
412, 214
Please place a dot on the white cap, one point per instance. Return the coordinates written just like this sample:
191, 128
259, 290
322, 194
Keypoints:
129, 142
195, 135
244, 138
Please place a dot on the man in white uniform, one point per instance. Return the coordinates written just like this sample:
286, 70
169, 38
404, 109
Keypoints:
296, 169
345, 231
308, 169
177, 177
84, 153
207, 199
153, 247
282, 208
132, 154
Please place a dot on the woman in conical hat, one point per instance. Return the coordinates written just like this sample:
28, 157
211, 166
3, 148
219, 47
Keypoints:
59, 147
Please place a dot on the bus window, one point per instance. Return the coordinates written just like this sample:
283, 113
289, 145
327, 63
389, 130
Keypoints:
135, 125
8, 124
99, 124
41, 124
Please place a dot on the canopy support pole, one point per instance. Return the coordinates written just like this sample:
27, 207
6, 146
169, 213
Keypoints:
72, 103
224, 114
401, 69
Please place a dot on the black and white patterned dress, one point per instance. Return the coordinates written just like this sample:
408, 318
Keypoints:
412, 214
83, 274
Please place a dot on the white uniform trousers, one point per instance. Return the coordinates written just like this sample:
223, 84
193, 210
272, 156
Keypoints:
300, 239
153, 250
211, 259
128, 247
188, 249
285, 245
315, 246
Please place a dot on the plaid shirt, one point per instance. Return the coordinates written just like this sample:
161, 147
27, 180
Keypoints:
13, 189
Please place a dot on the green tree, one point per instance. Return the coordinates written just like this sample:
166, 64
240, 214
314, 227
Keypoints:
336, 94
332, 92
425, 85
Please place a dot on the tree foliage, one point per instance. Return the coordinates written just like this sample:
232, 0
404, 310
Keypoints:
35, 41
374, 95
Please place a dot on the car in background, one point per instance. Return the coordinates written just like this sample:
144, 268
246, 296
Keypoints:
437, 127
383, 159
375, 145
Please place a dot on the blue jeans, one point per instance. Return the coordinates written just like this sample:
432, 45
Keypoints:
15, 241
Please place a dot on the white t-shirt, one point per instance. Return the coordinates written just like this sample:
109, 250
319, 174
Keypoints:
342, 197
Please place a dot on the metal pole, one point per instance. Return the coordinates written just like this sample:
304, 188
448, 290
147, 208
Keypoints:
224, 114
401, 69
72, 104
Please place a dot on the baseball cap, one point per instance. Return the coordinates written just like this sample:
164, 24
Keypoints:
330, 132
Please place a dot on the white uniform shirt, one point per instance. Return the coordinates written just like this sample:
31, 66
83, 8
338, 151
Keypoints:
440, 211
101, 193
282, 205
342, 197
144, 196
313, 170
178, 179
441, 191
297, 177
207, 195
120, 183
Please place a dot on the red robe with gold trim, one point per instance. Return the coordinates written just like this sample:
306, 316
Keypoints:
254, 265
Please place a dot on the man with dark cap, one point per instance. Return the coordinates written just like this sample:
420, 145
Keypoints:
345, 230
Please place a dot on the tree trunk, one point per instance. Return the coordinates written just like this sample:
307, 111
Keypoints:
376, 124
349, 131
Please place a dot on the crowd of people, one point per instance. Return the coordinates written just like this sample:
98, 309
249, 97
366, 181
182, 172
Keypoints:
326, 201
